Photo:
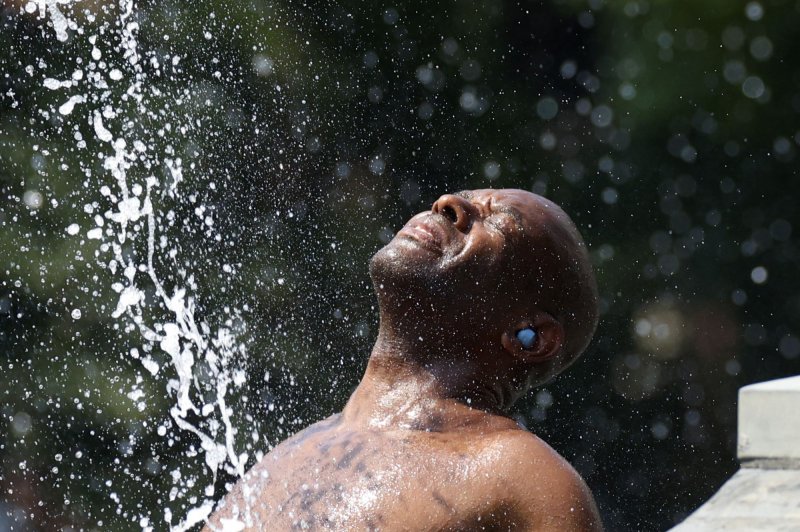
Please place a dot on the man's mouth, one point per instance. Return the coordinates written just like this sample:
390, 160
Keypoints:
426, 233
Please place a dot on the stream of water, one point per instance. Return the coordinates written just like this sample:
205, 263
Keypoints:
205, 361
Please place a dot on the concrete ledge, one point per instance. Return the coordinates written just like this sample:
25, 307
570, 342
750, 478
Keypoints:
772, 463
753, 500
764, 495
769, 420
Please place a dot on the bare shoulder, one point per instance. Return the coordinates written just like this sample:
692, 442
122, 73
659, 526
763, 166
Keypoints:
251, 498
546, 489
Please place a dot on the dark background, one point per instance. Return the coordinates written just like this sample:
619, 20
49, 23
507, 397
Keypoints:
311, 131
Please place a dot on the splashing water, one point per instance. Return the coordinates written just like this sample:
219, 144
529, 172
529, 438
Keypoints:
206, 362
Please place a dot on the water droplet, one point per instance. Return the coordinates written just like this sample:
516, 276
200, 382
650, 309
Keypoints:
754, 11
761, 48
759, 275
753, 87
602, 116
547, 108
491, 170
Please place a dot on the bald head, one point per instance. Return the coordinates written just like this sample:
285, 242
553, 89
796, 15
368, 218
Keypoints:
560, 276
482, 262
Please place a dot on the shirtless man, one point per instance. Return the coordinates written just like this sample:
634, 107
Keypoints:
488, 293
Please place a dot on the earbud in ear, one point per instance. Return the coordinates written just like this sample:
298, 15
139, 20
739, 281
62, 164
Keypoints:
533, 339
526, 337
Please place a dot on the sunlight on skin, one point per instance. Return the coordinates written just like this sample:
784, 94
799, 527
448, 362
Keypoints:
465, 328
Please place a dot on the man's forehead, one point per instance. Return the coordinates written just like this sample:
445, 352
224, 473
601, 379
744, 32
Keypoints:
525, 201
496, 192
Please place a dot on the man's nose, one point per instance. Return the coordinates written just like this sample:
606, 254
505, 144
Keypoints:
456, 209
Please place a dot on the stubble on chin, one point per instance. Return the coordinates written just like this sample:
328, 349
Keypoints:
394, 268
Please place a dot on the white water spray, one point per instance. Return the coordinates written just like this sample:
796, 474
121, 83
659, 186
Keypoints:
187, 341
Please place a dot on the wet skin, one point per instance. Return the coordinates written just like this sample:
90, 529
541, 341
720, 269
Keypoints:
425, 442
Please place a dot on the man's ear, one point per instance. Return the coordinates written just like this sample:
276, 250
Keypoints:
549, 338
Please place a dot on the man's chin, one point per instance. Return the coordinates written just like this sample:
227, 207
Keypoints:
403, 263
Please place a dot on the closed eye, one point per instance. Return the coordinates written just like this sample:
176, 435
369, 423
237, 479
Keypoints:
500, 213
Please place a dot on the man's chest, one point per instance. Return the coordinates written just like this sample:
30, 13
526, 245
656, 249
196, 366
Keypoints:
347, 481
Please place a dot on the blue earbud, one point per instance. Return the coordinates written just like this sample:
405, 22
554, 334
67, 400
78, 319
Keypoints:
527, 337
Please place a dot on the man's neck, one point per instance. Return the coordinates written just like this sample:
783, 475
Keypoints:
407, 389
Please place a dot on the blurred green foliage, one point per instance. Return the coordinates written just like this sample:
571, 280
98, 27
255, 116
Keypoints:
311, 131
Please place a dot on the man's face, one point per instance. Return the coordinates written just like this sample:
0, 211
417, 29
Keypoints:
483, 261
468, 242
